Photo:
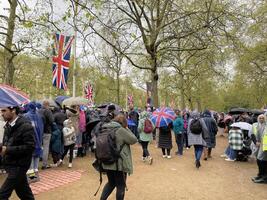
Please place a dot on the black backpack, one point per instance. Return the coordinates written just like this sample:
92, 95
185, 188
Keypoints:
195, 126
106, 147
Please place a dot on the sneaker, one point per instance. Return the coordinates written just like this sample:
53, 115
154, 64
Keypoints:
150, 160
229, 159
53, 165
143, 159
164, 156
60, 162
169, 157
223, 156
46, 167
256, 178
70, 165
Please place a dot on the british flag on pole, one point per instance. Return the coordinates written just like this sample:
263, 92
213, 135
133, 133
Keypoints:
61, 60
88, 91
130, 100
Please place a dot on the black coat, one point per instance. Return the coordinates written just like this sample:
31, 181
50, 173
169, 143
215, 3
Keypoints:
20, 143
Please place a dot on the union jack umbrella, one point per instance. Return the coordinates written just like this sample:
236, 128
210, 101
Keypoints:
162, 117
11, 96
61, 60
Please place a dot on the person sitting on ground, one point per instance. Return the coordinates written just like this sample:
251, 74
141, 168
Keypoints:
235, 139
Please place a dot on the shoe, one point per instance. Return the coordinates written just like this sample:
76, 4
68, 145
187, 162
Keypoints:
60, 162
229, 159
150, 160
223, 156
45, 167
143, 159
70, 165
198, 164
187, 148
53, 165
205, 159
164, 156
256, 178
260, 180
169, 157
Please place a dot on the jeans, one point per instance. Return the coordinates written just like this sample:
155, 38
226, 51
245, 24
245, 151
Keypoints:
179, 142
66, 149
198, 151
115, 179
34, 163
144, 147
16, 180
230, 153
46, 143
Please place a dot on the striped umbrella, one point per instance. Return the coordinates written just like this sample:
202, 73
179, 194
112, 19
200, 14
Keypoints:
162, 117
11, 96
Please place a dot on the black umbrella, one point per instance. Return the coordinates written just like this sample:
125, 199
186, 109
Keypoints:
256, 111
235, 111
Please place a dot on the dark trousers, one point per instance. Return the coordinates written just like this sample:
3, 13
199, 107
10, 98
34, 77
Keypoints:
164, 152
262, 165
185, 139
144, 147
66, 149
115, 179
198, 151
179, 142
16, 180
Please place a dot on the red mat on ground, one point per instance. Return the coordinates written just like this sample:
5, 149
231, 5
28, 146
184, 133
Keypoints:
51, 179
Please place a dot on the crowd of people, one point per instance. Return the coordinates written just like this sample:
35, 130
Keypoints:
74, 130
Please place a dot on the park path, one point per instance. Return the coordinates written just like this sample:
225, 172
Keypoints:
169, 179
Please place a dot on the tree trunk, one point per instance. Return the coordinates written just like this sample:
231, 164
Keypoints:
118, 87
8, 54
154, 78
182, 92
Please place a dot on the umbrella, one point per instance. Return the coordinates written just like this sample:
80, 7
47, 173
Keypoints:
242, 125
75, 101
11, 96
104, 107
52, 103
256, 112
60, 99
162, 117
234, 111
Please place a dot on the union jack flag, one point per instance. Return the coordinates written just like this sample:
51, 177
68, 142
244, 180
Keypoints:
130, 99
88, 91
61, 60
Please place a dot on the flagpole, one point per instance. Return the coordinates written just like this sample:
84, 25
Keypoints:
74, 52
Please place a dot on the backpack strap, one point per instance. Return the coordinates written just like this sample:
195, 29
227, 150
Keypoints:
100, 182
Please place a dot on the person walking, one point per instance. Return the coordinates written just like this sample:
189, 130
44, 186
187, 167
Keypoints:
118, 171
260, 130
197, 139
38, 126
47, 116
212, 130
165, 140
17, 149
69, 141
145, 128
178, 127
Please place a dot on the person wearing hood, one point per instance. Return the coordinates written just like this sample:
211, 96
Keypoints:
259, 129
145, 136
197, 140
212, 130
38, 127
178, 127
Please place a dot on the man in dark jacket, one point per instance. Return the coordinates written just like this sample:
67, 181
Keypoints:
17, 150
47, 116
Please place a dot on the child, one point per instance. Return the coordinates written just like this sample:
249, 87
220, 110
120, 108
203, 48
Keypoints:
69, 141
235, 139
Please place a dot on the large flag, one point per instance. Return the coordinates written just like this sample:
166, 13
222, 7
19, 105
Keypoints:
61, 60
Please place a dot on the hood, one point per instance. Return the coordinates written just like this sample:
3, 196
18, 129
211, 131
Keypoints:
112, 124
194, 114
207, 113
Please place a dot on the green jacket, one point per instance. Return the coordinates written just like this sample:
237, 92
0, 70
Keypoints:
144, 136
123, 136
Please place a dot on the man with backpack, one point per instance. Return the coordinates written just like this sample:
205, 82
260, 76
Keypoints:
145, 128
114, 155
197, 133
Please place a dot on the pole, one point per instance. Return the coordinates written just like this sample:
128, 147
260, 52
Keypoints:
74, 52
126, 102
